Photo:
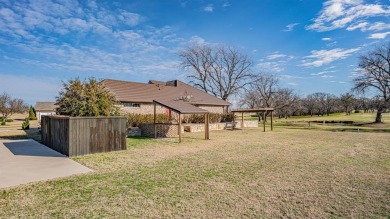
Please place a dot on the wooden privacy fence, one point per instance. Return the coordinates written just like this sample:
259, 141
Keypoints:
76, 136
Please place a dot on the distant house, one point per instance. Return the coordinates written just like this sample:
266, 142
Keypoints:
138, 97
45, 108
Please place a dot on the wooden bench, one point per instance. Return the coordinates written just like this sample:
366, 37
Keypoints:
230, 125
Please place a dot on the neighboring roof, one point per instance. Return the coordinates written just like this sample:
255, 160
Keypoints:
45, 106
181, 107
257, 110
126, 91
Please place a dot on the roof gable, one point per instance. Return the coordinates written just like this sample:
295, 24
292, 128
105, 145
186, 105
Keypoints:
45, 106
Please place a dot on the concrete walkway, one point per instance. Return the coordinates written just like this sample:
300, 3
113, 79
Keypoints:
24, 161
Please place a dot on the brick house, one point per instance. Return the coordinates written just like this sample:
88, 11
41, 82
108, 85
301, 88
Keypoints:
137, 97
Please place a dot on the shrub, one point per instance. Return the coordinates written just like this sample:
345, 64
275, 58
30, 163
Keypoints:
227, 117
26, 124
31, 114
134, 120
214, 118
2, 123
86, 98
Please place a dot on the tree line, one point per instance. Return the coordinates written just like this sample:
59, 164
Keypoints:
224, 71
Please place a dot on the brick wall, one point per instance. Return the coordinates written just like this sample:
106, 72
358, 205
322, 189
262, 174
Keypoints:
145, 108
163, 130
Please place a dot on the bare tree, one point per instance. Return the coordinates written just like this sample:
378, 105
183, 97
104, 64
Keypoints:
375, 74
330, 103
249, 99
309, 103
285, 98
221, 71
265, 85
10, 106
347, 101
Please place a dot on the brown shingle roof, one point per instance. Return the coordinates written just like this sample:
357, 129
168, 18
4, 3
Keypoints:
125, 91
45, 106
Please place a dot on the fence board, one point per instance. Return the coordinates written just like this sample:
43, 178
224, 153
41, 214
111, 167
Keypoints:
76, 136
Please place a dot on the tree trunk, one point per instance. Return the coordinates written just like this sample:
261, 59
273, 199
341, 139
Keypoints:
378, 118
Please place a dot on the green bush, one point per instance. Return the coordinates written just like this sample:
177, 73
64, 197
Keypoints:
214, 118
31, 114
133, 120
2, 123
26, 124
227, 117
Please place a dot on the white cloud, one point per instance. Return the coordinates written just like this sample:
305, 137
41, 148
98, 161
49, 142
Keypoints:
275, 55
337, 14
197, 40
97, 39
326, 39
290, 27
226, 4
208, 8
365, 26
379, 35
322, 57
131, 19
270, 66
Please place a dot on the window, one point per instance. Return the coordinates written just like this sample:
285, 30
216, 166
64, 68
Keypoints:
131, 104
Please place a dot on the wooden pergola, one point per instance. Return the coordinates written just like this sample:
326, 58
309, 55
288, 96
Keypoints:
259, 110
181, 107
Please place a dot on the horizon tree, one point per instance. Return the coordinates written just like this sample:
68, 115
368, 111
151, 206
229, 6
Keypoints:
10, 106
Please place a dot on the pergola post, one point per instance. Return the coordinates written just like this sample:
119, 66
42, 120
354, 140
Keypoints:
234, 121
154, 121
272, 124
264, 121
242, 119
179, 128
206, 126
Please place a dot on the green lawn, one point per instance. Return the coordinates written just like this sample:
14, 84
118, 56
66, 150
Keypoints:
288, 173
356, 122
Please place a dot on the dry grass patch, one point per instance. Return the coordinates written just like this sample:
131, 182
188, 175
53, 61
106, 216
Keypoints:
243, 173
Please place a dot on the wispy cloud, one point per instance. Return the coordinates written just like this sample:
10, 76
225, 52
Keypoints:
226, 4
326, 39
322, 57
337, 14
290, 27
267, 66
365, 26
379, 35
275, 55
208, 8
97, 39
274, 62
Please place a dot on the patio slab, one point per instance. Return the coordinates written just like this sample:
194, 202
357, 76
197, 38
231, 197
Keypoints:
25, 161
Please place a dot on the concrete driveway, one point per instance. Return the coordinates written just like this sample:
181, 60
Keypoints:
24, 161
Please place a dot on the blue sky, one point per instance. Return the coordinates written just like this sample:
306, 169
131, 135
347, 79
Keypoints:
310, 45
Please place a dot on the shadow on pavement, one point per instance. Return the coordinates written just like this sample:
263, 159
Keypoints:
30, 147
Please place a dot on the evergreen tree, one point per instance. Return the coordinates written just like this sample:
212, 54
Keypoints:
31, 114
85, 98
